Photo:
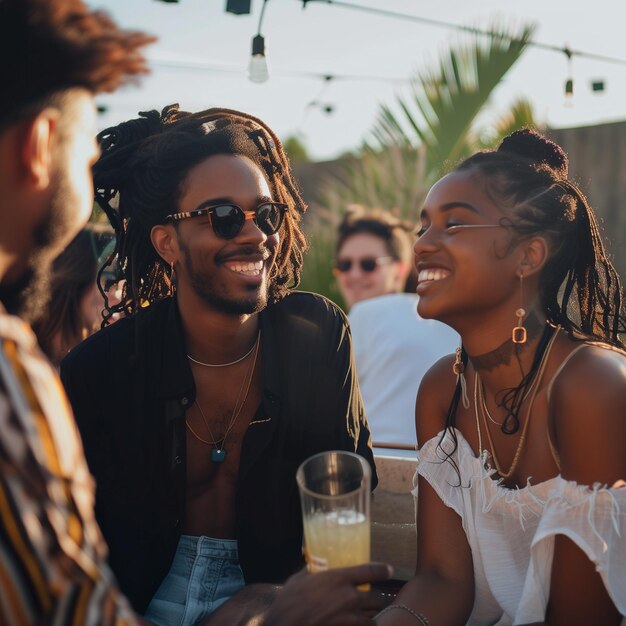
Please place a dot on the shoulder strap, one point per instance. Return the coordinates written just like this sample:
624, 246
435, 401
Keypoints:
565, 361
553, 450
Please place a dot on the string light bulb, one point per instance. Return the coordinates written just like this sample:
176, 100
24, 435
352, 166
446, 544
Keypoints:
569, 82
258, 71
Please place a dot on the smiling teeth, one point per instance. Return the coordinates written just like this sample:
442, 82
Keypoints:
249, 269
432, 275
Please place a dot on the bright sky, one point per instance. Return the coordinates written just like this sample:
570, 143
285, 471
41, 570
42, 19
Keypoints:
325, 39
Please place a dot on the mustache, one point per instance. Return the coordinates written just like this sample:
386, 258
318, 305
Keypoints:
246, 251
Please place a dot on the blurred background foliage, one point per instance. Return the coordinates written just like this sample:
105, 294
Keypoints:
415, 140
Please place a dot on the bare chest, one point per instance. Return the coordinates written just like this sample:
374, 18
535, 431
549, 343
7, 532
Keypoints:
216, 425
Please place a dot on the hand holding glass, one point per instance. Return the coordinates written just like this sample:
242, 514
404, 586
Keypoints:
335, 497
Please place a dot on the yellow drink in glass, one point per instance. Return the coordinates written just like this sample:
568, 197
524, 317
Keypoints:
336, 539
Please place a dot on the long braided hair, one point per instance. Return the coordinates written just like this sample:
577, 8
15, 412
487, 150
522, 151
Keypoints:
579, 288
138, 181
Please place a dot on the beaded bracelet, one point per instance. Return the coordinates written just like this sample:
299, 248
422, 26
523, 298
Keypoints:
418, 616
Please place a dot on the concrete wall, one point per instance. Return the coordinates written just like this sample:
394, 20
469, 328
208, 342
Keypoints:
597, 157
393, 515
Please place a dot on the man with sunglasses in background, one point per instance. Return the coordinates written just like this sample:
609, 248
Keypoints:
393, 345
197, 408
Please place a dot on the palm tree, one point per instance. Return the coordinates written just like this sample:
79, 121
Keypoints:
417, 139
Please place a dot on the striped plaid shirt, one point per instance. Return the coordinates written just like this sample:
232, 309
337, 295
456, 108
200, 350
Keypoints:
52, 556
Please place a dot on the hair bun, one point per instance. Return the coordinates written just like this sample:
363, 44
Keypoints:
534, 146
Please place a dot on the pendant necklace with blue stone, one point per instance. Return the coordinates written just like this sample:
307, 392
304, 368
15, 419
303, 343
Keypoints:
218, 450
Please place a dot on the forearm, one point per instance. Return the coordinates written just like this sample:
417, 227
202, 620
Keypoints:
443, 602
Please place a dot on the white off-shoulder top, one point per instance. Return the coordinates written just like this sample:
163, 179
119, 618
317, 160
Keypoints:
511, 532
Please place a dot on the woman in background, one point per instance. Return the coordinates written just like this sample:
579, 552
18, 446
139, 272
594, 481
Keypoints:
521, 498
74, 310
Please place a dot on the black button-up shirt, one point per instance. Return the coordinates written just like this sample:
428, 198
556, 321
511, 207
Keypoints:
130, 385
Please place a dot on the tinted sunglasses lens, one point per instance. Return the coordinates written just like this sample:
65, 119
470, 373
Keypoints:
368, 265
343, 265
227, 220
269, 217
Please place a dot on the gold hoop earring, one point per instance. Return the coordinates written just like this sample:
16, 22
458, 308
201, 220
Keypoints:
519, 335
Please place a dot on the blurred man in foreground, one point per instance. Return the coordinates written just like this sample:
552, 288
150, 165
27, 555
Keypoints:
55, 57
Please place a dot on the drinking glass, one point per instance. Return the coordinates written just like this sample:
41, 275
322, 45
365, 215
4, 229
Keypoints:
335, 498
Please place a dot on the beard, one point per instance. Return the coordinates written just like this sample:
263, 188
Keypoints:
28, 297
216, 295
19, 297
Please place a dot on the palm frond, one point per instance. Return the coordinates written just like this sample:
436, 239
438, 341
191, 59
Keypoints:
445, 101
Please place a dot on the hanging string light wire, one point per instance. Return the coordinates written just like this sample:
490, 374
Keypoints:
219, 68
315, 102
468, 29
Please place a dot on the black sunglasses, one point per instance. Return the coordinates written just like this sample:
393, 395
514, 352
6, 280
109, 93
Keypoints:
367, 265
227, 220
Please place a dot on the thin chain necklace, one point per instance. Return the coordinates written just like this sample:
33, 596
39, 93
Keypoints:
479, 404
479, 396
478, 383
239, 360
218, 452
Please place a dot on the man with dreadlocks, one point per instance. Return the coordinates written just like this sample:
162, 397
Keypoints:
198, 407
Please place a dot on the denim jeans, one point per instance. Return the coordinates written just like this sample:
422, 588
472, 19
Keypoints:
205, 572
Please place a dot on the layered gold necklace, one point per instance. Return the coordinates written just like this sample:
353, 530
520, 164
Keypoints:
218, 450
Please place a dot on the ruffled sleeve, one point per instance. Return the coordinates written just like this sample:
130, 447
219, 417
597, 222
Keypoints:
434, 466
594, 518
448, 465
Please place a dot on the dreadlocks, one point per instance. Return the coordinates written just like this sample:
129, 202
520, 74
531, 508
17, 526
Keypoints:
138, 181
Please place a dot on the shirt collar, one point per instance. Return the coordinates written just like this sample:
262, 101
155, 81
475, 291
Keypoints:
175, 379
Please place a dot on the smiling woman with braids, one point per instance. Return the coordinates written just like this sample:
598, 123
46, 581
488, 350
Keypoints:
197, 408
520, 479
